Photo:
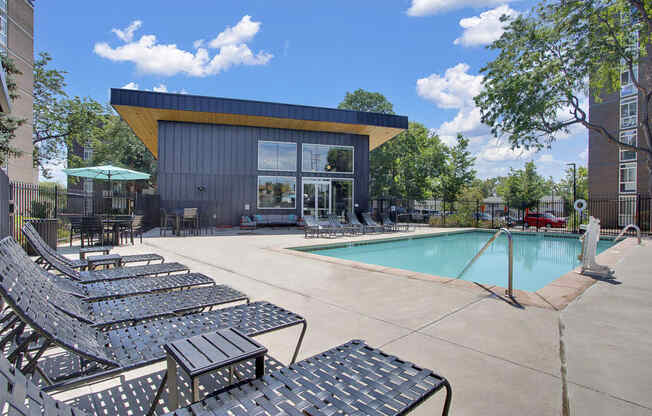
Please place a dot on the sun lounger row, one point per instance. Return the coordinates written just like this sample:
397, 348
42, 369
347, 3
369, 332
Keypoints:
108, 325
333, 227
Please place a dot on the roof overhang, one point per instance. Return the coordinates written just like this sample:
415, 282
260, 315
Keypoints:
142, 110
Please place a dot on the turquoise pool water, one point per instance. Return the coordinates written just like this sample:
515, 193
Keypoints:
538, 259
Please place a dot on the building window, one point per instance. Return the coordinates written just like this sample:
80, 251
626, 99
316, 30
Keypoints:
628, 113
3, 26
324, 158
342, 197
277, 156
626, 210
277, 192
627, 177
626, 83
88, 153
629, 137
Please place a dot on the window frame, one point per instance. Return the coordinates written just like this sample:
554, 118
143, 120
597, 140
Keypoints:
303, 145
627, 102
627, 165
628, 89
625, 217
623, 149
275, 142
276, 177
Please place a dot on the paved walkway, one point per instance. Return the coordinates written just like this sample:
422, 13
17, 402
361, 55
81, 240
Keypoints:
500, 359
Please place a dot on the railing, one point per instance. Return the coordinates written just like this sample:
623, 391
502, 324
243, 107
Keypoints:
622, 233
510, 259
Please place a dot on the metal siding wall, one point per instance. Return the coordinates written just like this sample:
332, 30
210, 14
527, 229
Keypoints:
224, 159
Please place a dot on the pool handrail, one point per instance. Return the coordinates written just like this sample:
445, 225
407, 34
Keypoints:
627, 227
510, 260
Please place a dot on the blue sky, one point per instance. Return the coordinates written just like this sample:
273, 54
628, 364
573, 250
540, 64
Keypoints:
423, 55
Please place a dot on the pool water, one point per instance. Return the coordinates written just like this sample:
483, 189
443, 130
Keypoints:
538, 259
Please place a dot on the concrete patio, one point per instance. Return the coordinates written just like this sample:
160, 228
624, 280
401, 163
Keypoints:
500, 358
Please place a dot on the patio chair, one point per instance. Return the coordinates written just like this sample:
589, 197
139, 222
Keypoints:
366, 217
246, 223
335, 223
355, 222
276, 392
111, 351
387, 222
91, 227
312, 226
168, 222
75, 226
136, 227
70, 298
190, 220
40, 246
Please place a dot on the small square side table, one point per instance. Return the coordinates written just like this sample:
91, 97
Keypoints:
114, 260
206, 353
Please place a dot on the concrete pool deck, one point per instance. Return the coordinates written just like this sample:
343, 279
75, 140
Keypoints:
500, 358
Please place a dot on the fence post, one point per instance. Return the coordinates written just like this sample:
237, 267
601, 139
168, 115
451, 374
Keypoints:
56, 200
477, 210
492, 215
443, 212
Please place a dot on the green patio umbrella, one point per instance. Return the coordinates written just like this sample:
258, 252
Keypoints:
107, 172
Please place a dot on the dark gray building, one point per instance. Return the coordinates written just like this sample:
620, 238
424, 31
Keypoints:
233, 157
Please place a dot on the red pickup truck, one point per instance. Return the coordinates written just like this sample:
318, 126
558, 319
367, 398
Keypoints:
535, 219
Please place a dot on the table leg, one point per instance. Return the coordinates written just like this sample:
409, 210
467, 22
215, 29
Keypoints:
195, 389
173, 389
260, 366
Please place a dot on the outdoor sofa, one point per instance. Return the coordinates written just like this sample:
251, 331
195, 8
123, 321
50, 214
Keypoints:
275, 219
114, 350
35, 240
304, 388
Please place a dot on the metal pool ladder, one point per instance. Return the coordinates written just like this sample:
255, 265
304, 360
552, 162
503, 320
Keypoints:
622, 233
510, 259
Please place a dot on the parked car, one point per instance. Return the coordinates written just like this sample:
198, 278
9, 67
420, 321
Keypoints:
535, 219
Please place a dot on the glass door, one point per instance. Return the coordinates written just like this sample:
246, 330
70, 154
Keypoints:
309, 200
323, 199
316, 197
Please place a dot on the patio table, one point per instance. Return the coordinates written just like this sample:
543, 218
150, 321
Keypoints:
115, 228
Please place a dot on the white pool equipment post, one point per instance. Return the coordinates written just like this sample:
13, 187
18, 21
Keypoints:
589, 252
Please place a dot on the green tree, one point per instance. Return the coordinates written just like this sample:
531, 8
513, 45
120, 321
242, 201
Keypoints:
59, 121
457, 171
523, 187
8, 123
581, 184
534, 90
361, 100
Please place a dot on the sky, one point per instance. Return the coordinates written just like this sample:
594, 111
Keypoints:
425, 56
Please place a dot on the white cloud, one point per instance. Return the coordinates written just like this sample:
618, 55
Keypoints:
495, 151
485, 28
548, 158
127, 34
55, 169
130, 86
160, 88
242, 32
198, 43
584, 156
430, 7
152, 57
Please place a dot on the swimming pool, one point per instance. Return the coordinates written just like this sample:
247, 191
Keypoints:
538, 259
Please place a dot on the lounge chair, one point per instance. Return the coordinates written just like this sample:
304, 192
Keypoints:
394, 226
312, 226
56, 261
371, 224
70, 299
35, 240
338, 226
111, 351
114, 289
355, 222
305, 388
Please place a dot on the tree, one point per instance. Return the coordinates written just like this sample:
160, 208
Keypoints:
361, 100
534, 90
457, 172
581, 184
59, 121
523, 187
8, 123
116, 144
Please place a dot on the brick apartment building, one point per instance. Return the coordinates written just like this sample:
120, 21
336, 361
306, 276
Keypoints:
616, 173
17, 41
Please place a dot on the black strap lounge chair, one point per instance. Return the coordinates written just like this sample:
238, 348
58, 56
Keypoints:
54, 260
366, 217
71, 299
369, 227
35, 240
101, 353
355, 222
368, 382
338, 226
387, 222
314, 228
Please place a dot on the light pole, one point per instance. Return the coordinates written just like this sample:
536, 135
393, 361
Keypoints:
574, 194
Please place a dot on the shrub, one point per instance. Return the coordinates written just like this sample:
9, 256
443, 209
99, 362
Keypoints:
41, 209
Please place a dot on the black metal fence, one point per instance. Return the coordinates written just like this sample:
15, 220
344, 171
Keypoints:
546, 215
30, 201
